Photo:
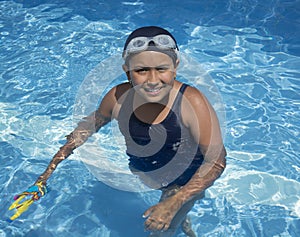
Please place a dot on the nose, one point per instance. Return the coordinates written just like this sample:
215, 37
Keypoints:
153, 77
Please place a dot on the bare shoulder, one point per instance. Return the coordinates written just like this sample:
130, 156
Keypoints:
195, 97
121, 90
113, 99
194, 105
115, 94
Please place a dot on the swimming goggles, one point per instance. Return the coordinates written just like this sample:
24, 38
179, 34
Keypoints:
138, 44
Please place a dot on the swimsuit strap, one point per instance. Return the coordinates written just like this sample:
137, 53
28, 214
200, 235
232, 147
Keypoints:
177, 102
183, 87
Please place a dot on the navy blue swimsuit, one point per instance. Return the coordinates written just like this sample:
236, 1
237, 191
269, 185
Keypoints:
162, 154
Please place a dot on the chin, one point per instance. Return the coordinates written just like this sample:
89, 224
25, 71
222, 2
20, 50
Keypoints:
154, 98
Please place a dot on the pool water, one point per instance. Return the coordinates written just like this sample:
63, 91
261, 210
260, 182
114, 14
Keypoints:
251, 51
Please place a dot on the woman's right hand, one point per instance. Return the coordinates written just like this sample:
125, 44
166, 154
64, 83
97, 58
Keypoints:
31, 195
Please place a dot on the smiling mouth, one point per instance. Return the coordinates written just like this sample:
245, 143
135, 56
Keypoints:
153, 91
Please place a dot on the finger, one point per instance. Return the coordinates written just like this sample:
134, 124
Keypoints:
166, 227
160, 227
147, 224
148, 212
150, 225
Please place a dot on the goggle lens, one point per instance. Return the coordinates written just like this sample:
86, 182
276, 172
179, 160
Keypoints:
138, 43
164, 41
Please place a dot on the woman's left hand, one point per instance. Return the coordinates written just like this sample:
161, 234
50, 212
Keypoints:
160, 216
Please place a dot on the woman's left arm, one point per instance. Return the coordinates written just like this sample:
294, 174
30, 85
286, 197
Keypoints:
199, 116
201, 119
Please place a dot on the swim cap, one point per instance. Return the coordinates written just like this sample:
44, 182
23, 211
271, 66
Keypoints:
151, 31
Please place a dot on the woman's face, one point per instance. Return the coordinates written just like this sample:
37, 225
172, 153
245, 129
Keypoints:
152, 75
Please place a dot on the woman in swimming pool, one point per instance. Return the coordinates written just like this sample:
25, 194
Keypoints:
172, 133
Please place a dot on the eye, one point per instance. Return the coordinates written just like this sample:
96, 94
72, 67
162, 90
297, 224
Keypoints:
141, 70
162, 69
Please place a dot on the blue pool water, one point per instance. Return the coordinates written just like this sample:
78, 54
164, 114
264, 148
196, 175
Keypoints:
249, 48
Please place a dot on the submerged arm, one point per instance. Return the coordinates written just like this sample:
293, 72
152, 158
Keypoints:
205, 128
85, 129
82, 132
210, 170
88, 126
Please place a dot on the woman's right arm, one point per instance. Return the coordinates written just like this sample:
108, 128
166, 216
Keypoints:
81, 133
87, 127
107, 110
